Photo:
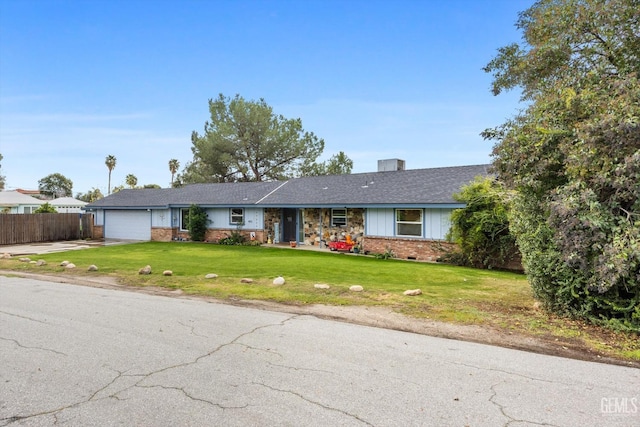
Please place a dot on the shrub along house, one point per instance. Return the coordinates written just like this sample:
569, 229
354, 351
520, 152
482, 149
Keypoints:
403, 211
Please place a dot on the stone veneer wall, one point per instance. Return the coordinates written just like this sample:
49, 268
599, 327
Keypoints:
317, 226
407, 248
271, 216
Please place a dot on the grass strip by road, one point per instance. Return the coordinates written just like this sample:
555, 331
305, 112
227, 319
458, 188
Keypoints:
495, 299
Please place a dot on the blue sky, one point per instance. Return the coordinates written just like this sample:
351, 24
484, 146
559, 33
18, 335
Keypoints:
80, 80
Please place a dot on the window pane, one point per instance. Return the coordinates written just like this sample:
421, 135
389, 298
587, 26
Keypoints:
409, 229
338, 217
237, 215
184, 219
411, 215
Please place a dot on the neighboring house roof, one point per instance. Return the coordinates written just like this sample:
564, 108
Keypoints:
15, 198
67, 201
416, 187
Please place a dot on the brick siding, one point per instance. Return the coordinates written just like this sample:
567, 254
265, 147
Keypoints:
407, 248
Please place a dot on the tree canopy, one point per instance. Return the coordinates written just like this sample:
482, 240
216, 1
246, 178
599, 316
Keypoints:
131, 180
90, 196
110, 161
573, 155
338, 164
174, 165
246, 141
55, 185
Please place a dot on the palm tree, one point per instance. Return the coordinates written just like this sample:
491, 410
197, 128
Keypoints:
131, 180
173, 168
110, 161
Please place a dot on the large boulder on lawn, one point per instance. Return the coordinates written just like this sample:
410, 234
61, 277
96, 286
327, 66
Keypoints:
70, 265
92, 267
356, 288
41, 262
5, 255
211, 276
412, 292
321, 286
278, 281
64, 263
145, 270
25, 259
246, 280
167, 273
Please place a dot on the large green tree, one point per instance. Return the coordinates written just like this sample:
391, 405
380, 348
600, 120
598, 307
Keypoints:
56, 185
246, 141
573, 155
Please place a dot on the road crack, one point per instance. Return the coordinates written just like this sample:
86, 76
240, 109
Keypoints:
297, 368
503, 411
191, 397
24, 317
192, 329
313, 402
147, 376
16, 342
515, 374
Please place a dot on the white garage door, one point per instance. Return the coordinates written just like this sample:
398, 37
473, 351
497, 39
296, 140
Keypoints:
129, 225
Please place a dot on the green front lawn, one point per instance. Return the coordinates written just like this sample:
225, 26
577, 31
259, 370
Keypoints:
451, 294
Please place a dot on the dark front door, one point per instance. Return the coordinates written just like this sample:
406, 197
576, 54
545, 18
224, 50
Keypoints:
289, 225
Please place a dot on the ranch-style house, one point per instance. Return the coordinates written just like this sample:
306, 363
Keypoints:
403, 211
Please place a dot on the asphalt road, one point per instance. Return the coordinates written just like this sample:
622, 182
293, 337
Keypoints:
80, 356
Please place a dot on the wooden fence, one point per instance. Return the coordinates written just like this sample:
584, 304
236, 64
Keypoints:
44, 227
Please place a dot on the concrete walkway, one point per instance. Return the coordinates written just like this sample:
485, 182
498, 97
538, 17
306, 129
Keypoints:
52, 247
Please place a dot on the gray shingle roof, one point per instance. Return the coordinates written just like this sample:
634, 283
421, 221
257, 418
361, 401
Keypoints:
407, 187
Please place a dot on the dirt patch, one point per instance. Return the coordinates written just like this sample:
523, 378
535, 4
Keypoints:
381, 317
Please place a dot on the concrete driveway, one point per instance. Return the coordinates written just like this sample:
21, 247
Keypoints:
51, 247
